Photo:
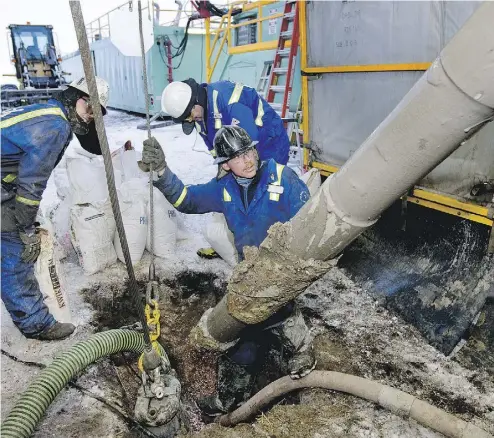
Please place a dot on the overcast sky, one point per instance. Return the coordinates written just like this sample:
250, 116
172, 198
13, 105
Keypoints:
54, 12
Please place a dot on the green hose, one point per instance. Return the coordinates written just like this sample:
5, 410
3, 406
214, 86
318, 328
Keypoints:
33, 403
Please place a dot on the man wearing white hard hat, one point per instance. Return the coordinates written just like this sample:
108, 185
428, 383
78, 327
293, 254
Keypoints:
209, 107
34, 139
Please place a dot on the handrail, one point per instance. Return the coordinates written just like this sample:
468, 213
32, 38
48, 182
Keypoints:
101, 25
225, 26
209, 69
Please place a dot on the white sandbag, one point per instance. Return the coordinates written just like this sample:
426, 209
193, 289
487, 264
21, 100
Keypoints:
221, 239
133, 202
165, 226
92, 233
126, 162
182, 232
312, 180
129, 164
46, 271
58, 216
87, 179
61, 178
116, 159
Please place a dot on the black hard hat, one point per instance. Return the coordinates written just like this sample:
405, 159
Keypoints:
231, 141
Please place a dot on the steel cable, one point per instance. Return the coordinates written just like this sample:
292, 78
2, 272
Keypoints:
80, 29
151, 186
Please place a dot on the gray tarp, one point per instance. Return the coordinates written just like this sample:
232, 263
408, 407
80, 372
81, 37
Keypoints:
346, 107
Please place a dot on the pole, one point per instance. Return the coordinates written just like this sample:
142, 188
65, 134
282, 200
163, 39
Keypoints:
87, 63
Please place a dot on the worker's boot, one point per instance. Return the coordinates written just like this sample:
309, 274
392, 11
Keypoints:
60, 330
208, 253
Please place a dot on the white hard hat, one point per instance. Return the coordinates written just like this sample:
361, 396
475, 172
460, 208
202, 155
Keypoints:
102, 86
176, 98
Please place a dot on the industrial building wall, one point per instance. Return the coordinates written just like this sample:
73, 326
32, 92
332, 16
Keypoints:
118, 58
123, 73
346, 107
247, 67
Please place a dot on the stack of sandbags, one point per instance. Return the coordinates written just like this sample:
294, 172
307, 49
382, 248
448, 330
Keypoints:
132, 197
165, 226
92, 226
84, 217
92, 234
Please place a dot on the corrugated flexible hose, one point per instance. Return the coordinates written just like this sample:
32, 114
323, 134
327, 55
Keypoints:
24, 416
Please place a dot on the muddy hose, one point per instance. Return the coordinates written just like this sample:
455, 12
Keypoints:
31, 406
397, 401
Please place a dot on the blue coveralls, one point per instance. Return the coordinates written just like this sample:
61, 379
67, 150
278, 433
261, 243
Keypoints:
231, 103
33, 138
277, 195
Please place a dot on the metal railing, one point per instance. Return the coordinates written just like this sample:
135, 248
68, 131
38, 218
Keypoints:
99, 28
223, 33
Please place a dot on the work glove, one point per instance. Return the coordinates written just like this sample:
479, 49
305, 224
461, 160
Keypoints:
152, 154
32, 246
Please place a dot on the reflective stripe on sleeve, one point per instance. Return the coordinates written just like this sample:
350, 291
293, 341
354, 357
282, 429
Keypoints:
26, 201
181, 198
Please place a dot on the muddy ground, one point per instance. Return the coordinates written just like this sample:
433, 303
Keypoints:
352, 333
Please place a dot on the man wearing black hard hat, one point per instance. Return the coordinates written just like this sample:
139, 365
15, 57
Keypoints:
253, 195
209, 107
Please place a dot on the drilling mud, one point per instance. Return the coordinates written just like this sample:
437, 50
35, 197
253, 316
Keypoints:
182, 301
353, 334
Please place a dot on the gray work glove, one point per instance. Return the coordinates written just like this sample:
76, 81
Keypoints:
152, 154
32, 246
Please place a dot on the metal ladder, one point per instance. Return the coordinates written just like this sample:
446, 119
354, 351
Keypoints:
280, 68
293, 127
262, 85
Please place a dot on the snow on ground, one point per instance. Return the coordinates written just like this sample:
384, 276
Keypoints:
354, 334
189, 158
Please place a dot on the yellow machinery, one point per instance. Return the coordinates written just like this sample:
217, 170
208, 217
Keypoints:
37, 65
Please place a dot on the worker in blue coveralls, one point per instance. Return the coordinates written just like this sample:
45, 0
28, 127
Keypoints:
208, 107
253, 195
34, 139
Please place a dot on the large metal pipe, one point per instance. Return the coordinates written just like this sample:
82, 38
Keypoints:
444, 107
